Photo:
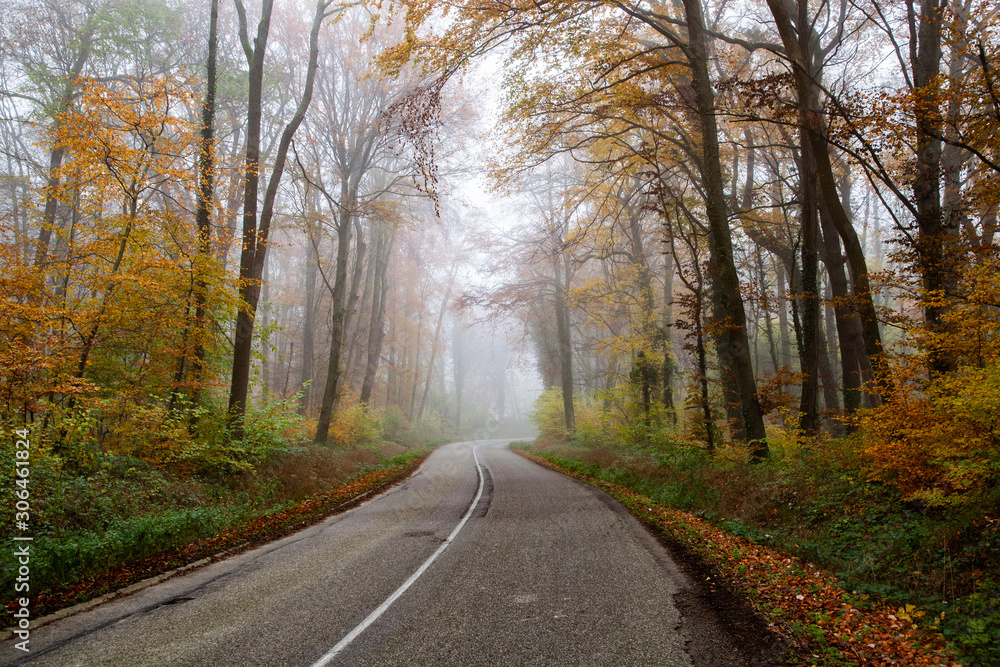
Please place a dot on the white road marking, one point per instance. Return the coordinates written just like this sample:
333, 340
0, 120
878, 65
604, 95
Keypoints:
372, 617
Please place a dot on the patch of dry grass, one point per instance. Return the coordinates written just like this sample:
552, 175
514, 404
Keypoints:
303, 473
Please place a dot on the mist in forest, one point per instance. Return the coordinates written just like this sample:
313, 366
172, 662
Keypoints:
256, 253
358, 250
212, 209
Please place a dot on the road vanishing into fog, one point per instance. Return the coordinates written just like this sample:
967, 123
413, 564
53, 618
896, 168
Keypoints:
480, 558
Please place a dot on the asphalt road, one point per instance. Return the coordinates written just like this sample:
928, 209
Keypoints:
540, 570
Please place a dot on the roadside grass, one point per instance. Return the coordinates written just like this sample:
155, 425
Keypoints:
935, 571
108, 519
72, 567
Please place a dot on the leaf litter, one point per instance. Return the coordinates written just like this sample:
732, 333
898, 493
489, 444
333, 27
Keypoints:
823, 623
246, 535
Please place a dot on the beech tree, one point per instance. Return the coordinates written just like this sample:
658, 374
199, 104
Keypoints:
743, 203
353, 166
256, 232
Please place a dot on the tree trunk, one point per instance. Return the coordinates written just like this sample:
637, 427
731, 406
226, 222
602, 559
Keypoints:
830, 328
255, 238
706, 401
727, 299
668, 347
783, 333
936, 243
772, 348
354, 295
265, 337
826, 376
59, 152
203, 214
338, 316
234, 195
243, 339
355, 363
564, 339
814, 130
458, 353
434, 344
309, 322
416, 367
392, 374
375, 329
647, 324
848, 324
809, 348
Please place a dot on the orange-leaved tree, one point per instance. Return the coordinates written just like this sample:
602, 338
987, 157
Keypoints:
98, 324
938, 440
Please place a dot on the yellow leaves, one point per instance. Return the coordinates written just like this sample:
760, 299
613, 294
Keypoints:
113, 296
910, 613
936, 447
938, 439
123, 139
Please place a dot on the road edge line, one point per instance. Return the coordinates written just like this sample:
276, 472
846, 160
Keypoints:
381, 609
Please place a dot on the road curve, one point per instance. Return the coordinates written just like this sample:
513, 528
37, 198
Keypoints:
544, 571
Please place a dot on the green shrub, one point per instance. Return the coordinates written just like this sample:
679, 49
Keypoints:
549, 417
217, 455
64, 557
394, 425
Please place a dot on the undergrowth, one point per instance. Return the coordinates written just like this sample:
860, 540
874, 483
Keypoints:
939, 566
94, 509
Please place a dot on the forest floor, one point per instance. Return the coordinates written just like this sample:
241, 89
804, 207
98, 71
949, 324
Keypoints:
357, 478
784, 562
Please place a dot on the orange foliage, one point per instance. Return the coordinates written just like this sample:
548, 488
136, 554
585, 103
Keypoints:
98, 330
352, 423
938, 439
772, 389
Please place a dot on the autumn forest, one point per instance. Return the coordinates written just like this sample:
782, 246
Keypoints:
721, 254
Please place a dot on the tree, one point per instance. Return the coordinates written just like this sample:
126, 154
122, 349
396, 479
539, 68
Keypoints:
255, 233
938, 238
727, 300
206, 192
554, 25
811, 122
354, 143
81, 53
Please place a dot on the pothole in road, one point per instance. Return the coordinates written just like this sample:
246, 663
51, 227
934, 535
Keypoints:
418, 533
176, 601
